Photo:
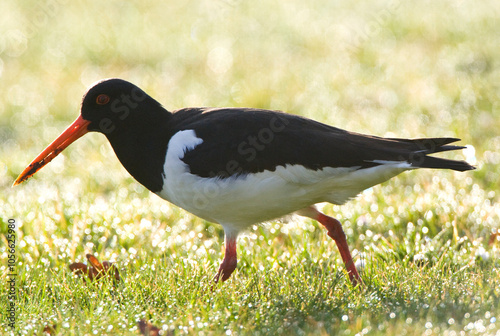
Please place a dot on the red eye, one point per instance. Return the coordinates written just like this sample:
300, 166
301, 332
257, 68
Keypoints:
102, 99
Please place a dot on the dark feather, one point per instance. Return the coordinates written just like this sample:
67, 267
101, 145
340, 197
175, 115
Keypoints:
241, 141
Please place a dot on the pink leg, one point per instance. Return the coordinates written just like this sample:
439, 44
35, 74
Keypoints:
230, 260
335, 231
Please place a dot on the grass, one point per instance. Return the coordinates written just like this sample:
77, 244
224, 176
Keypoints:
384, 68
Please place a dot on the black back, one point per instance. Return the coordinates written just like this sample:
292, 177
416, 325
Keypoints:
243, 140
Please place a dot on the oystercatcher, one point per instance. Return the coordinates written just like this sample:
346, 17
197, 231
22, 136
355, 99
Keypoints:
242, 166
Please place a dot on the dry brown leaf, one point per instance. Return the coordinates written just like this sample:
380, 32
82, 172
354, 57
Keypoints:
94, 262
494, 238
147, 329
50, 329
95, 270
78, 268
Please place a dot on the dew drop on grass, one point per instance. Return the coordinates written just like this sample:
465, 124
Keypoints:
360, 264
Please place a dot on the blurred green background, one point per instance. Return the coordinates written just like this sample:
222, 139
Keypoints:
388, 68
385, 68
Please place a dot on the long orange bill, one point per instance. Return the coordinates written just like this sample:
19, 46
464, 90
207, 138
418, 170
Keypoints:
73, 132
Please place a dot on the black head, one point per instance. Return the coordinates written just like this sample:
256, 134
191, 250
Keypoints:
114, 104
135, 124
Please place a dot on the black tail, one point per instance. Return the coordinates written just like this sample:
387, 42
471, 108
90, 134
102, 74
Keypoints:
419, 159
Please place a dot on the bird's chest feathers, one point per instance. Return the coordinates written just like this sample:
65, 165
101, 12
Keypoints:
179, 185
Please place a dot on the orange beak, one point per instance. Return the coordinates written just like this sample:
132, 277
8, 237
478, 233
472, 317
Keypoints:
73, 132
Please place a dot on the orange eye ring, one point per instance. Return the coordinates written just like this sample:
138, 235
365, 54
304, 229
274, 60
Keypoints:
102, 99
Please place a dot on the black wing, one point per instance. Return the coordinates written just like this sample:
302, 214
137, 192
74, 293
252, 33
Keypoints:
241, 141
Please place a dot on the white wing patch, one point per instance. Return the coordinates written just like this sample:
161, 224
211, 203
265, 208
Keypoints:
387, 162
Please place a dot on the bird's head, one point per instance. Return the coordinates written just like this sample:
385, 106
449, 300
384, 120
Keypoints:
113, 103
108, 106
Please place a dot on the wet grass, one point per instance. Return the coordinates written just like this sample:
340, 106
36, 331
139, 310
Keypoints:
424, 240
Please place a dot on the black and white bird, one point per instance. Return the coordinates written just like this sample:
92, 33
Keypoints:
242, 166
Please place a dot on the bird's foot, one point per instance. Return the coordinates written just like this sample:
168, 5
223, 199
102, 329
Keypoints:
229, 262
336, 232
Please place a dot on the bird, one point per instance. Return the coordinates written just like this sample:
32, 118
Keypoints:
243, 166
